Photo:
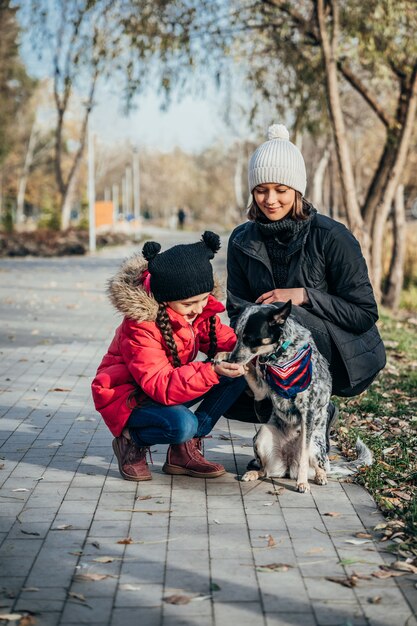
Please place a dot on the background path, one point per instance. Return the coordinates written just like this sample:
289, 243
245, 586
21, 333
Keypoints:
240, 553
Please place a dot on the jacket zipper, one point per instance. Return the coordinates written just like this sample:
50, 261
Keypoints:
195, 352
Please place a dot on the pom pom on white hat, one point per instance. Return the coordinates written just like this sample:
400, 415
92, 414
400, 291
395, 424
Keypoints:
278, 161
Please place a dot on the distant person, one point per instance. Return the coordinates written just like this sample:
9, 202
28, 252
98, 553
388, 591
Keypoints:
181, 215
288, 251
149, 377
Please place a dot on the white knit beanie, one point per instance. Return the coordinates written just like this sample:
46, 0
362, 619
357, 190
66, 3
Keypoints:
278, 161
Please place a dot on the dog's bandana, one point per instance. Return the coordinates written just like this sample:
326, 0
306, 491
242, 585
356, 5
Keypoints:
290, 377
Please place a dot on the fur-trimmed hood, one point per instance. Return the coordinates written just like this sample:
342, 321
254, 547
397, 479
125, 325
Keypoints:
128, 295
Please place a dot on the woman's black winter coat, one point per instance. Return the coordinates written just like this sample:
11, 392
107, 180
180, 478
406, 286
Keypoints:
327, 261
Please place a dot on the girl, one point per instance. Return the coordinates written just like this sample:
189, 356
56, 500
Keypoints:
149, 377
287, 250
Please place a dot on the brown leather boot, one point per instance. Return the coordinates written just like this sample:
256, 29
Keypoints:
131, 459
188, 459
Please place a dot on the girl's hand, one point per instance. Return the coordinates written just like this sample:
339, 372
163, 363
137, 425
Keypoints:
298, 295
231, 370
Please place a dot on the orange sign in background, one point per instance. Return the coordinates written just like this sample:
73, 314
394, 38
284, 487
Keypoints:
104, 213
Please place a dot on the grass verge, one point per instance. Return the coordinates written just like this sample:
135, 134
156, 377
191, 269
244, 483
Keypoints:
385, 417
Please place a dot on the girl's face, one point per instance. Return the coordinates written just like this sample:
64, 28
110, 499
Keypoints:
274, 200
189, 308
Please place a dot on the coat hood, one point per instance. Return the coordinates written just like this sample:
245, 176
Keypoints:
128, 295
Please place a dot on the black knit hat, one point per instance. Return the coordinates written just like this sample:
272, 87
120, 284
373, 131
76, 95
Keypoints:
183, 271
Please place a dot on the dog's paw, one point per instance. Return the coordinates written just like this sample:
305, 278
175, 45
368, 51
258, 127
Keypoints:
221, 356
303, 487
320, 478
253, 475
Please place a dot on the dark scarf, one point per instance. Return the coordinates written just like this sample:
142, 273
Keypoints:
277, 237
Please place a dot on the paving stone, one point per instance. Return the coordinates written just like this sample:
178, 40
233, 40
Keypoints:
333, 612
93, 611
148, 617
290, 619
244, 613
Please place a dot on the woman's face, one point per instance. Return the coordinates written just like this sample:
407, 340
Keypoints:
189, 308
274, 200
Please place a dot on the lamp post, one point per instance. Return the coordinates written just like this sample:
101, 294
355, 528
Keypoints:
91, 191
136, 185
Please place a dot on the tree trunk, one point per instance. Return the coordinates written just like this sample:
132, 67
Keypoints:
20, 207
395, 280
318, 181
383, 209
333, 188
347, 180
67, 201
240, 201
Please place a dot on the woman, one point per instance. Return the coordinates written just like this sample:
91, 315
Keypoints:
287, 250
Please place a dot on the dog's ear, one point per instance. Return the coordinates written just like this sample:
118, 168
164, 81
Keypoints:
280, 313
236, 303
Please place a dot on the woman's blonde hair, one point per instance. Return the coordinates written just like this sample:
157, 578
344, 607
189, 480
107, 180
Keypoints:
298, 212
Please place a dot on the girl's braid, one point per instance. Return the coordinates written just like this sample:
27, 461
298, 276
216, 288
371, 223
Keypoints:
213, 338
164, 325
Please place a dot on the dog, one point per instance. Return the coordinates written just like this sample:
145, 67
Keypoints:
287, 373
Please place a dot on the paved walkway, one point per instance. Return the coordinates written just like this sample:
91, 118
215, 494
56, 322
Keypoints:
79, 545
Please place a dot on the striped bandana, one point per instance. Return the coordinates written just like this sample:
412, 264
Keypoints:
290, 377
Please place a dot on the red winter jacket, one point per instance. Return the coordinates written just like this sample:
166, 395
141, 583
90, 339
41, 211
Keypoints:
137, 364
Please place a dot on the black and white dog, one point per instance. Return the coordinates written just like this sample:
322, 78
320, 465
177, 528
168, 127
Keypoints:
286, 370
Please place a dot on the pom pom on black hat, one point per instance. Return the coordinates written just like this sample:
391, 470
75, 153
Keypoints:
211, 240
150, 250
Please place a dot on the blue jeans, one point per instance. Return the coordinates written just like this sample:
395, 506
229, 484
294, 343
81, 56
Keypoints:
153, 423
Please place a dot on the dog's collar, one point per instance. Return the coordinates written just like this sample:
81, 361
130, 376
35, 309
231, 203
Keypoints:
273, 356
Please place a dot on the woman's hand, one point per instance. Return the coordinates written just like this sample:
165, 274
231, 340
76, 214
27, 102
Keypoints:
231, 370
297, 295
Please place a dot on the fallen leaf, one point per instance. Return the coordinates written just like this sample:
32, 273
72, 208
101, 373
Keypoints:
357, 542
1, 466
27, 620
177, 599
27, 532
375, 600
143, 497
77, 596
63, 527
30, 589
274, 567
404, 566
96, 544
85, 419
349, 581
88, 577
362, 535
387, 573
21, 489
129, 587
10, 617
332, 514
55, 444
60, 389
214, 587
216, 521
268, 503
106, 559
126, 540
200, 598
315, 550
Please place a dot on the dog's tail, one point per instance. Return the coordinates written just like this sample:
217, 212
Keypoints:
347, 468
